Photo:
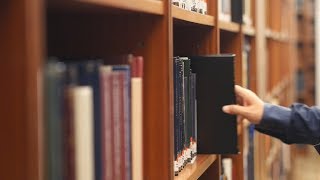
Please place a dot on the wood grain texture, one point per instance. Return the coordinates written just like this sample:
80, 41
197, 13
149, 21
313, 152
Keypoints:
214, 171
193, 17
20, 54
140, 6
229, 26
194, 171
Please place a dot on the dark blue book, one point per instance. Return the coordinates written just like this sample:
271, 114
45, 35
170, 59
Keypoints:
54, 81
250, 158
88, 75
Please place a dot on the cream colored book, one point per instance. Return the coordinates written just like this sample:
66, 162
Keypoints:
137, 117
137, 131
82, 112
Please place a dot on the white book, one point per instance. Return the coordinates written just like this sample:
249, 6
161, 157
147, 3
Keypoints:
137, 130
81, 98
227, 167
224, 10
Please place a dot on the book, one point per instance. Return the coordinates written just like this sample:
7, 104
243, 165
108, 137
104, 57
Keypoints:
81, 100
246, 62
54, 81
88, 75
247, 18
237, 11
216, 130
122, 120
224, 10
107, 127
227, 168
184, 114
137, 117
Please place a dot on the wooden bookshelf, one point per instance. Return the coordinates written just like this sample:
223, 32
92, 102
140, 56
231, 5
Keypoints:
141, 6
193, 17
194, 171
229, 26
248, 30
33, 30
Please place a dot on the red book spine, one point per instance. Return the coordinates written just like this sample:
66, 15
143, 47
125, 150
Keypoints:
118, 130
107, 123
69, 139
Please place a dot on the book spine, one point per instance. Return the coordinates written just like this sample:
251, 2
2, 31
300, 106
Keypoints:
116, 116
54, 96
181, 114
176, 116
69, 124
82, 102
125, 112
107, 123
89, 76
137, 117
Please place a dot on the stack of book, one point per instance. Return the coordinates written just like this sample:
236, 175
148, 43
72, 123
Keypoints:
93, 130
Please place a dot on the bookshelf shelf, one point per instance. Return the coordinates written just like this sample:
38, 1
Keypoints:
144, 6
229, 26
248, 30
277, 36
195, 170
193, 17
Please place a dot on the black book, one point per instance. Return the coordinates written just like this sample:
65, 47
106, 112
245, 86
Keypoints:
237, 11
216, 130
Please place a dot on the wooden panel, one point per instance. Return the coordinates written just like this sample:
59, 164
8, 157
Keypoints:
232, 43
20, 54
214, 171
193, 41
229, 26
144, 6
253, 65
194, 171
189, 16
248, 30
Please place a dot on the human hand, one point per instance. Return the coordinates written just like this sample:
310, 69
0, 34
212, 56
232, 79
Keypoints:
251, 108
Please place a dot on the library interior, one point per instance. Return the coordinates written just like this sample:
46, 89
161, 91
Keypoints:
135, 89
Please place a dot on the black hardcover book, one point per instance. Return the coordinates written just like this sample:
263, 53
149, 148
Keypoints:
216, 130
236, 11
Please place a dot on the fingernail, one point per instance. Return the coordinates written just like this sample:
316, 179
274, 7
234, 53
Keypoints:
225, 108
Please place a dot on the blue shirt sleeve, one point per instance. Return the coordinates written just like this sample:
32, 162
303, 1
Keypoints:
297, 124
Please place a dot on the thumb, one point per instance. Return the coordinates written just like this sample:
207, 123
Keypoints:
234, 109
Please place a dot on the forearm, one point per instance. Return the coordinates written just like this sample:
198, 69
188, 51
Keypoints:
297, 124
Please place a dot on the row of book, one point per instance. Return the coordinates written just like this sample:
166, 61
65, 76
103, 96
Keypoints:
199, 6
92, 129
185, 118
202, 86
238, 11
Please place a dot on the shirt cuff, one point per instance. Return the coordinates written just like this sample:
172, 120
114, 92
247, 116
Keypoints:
275, 117
275, 121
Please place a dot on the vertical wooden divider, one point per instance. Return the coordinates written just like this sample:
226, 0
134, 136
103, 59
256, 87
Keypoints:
158, 122
21, 54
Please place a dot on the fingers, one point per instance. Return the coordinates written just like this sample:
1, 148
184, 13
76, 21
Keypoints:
235, 109
240, 91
